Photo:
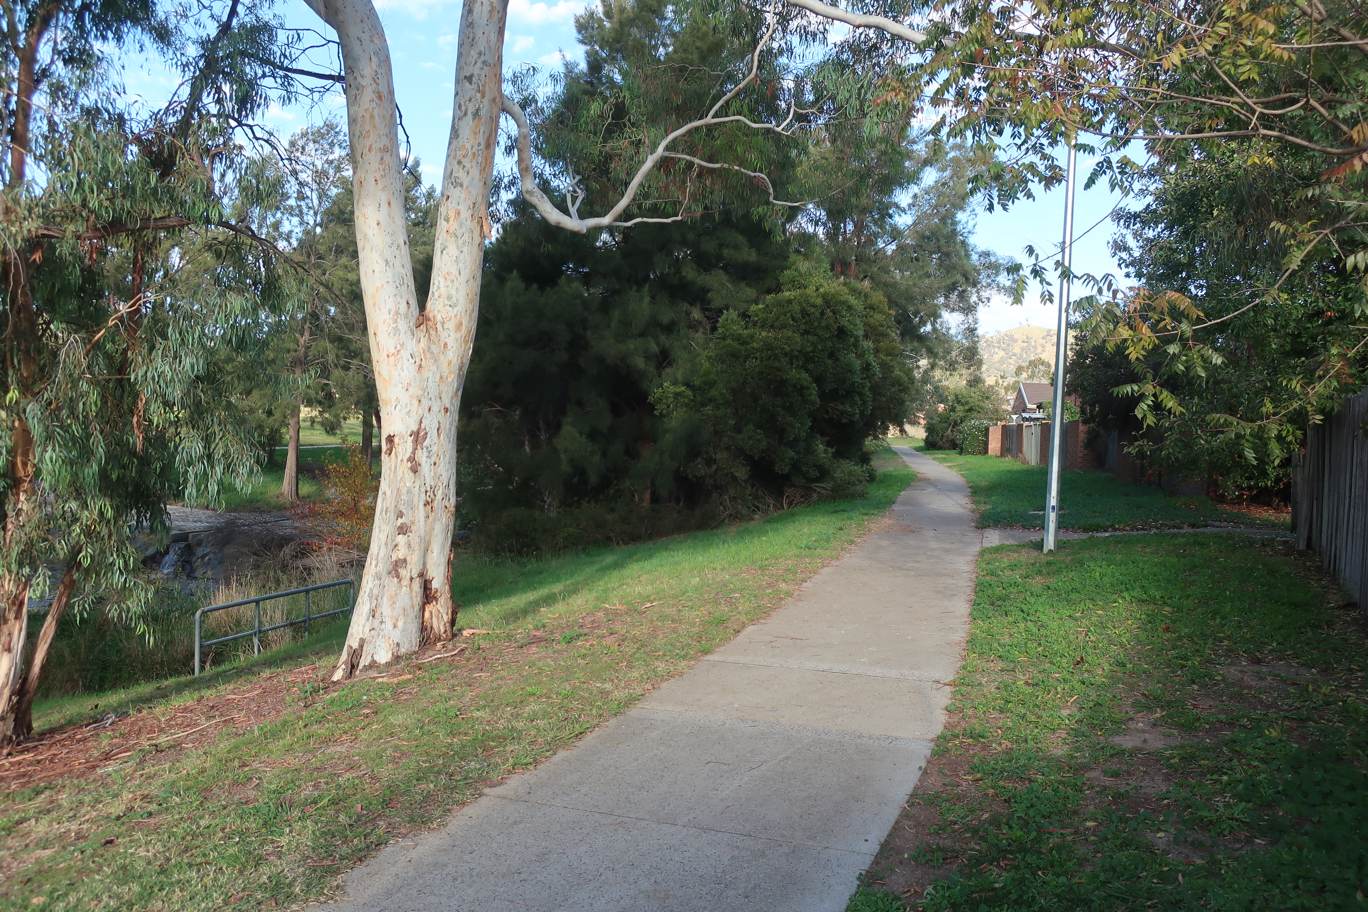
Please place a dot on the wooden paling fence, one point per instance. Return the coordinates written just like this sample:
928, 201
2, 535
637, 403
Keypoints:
1330, 495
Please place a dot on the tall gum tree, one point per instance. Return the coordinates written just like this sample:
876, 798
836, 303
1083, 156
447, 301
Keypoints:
420, 350
124, 284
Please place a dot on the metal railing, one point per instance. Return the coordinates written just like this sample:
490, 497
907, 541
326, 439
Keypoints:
257, 629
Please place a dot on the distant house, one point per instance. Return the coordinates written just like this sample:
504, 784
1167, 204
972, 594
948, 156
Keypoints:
1030, 400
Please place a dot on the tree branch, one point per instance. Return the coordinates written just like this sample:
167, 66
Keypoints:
612, 218
859, 20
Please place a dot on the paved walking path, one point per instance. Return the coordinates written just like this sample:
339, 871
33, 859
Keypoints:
765, 778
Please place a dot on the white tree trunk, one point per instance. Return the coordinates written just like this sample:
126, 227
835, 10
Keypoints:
419, 354
405, 595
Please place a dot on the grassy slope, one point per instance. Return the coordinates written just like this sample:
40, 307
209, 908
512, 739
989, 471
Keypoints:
312, 434
1009, 493
271, 813
1231, 659
264, 492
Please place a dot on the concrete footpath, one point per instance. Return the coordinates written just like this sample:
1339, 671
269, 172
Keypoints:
764, 778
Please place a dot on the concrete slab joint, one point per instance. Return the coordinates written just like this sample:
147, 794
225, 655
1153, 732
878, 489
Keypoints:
765, 778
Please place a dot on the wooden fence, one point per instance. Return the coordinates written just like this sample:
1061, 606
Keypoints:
1030, 443
1330, 495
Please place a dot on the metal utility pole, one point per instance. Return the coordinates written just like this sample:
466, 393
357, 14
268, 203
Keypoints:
1058, 426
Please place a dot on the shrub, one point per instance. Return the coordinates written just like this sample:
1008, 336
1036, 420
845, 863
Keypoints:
960, 404
347, 509
973, 437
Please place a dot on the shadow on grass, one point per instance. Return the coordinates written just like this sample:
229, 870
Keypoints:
495, 593
1171, 723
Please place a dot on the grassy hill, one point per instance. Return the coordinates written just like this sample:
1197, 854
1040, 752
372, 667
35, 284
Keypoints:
1004, 352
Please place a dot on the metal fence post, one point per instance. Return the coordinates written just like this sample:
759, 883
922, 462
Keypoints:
199, 616
308, 609
256, 628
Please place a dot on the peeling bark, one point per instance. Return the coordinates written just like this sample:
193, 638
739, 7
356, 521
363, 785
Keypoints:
18, 718
419, 353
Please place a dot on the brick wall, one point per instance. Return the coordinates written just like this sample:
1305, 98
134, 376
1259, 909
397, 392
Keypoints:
995, 440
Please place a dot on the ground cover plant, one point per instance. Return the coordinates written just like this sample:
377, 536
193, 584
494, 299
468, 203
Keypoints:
255, 788
1142, 722
1011, 493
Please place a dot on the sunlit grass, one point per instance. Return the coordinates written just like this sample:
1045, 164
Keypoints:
271, 813
1147, 722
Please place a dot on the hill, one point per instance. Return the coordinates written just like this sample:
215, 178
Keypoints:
1006, 351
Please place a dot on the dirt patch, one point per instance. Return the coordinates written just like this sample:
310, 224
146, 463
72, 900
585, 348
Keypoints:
1280, 513
142, 736
1273, 676
158, 735
921, 848
1142, 734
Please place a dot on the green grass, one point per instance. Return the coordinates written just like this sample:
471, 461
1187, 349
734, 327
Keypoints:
312, 434
1010, 493
264, 492
1244, 671
268, 812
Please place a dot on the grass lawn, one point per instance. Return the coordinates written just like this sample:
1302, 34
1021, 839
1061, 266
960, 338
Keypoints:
1147, 722
264, 492
312, 434
256, 788
1010, 493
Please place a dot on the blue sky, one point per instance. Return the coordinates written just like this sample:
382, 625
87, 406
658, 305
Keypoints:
422, 36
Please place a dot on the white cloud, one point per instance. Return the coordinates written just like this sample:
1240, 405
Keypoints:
280, 115
520, 43
431, 173
536, 12
555, 58
446, 39
418, 9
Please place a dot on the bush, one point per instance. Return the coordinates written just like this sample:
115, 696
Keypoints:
973, 437
786, 393
960, 405
517, 531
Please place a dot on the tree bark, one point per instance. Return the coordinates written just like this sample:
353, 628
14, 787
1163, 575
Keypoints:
289, 488
419, 354
18, 714
14, 587
367, 436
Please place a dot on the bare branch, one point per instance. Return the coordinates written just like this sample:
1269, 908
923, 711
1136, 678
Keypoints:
859, 20
571, 221
756, 176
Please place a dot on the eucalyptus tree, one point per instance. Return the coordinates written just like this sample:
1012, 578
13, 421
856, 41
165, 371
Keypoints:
420, 346
125, 270
309, 174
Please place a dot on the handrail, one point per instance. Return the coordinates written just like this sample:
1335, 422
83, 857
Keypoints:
257, 630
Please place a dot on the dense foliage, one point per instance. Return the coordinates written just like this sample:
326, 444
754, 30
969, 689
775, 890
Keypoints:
723, 362
129, 270
1229, 401
961, 410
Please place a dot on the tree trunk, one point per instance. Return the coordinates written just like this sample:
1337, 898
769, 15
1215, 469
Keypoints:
289, 488
13, 633
405, 596
419, 354
22, 372
14, 587
17, 714
367, 436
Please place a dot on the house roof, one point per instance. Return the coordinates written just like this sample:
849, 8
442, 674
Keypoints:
1036, 392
